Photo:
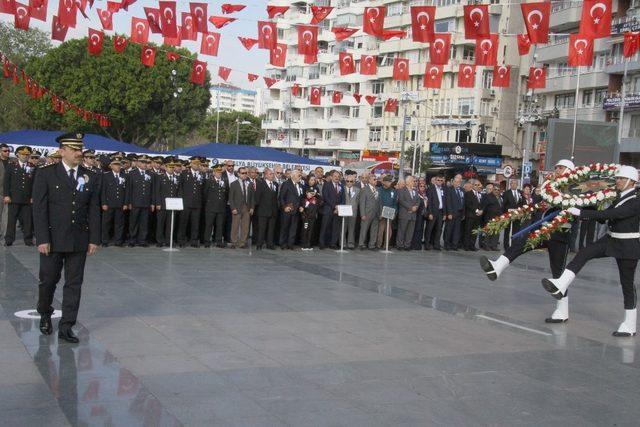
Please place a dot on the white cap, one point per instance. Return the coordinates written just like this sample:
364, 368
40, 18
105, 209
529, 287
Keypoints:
566, 163
627, 172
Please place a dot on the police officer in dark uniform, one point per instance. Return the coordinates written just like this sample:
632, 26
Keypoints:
67, 227
18, 183
139, 198
190, 189
216, 195
621, 242
166, 185
112, 194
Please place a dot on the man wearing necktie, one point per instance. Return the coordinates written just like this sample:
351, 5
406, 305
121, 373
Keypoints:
215, 192
454, 212
164, 186
241, 201
332, 196
436, 213
513, 199
266, 209
408, 202
352, 196
112, 199
18, 183
473, 214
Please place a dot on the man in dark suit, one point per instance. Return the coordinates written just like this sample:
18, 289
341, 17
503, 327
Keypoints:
473, 214
454, 213
289, 199
436, 210
165, 185
332, 196
112, 199
491, 206
18, 183
139, 198
67, 227
241, 202
266, 208
408, 202
216, 197
513, 199
190, 189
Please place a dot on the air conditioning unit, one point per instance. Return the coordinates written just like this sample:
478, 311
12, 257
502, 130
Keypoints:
493, 93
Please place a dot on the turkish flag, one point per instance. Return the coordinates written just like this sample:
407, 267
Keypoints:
537, 78
336, 98
389, 34
113, 6
433, 76
188, 29
95, 42
230, 8
148, 56
139, 30
81, 7
223, 73
269, 81
119, 44
524, 44
153, 19
106, 19
38, 9
168, 18
580, 50
370, 99
343, 33
357, 97
220, 21
278, 56
67, 11
173, 56
295, 89
252, 77
128, 384
8, 6
423, 20
536, 19
347, 66
501, 76
274, 11
319, 13
401, 69
631, 43
368, 65
439, 49
22, 17
476, 21
314, 97
373, 20
310, 59
307, 40
58, 31
199, 13
487, 50
596, 19
247, 42
466, 75
267, 35
174, 41
209, 44
391, 106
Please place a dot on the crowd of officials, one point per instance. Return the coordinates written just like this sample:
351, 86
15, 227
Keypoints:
224, 205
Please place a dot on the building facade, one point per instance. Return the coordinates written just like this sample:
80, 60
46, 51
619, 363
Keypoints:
226, 97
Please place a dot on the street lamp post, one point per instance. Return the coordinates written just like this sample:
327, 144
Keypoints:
176, 92
238, 123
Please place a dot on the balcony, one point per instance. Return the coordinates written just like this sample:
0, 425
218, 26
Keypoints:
395, 45
564, 15
568, 82
616, 64
624, 24
272, 124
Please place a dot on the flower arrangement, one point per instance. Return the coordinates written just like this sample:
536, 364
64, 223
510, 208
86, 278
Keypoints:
552, 189
499, 223
542, 234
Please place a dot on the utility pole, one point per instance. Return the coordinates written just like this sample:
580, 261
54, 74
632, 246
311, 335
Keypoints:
403, 136
217, 113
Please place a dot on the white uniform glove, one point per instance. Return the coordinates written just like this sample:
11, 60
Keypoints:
574, 211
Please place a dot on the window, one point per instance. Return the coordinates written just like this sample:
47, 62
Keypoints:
468, 53
565, 100
445, 25
634, 86
327, 135
465, 106
485, 107
394, 9
376, 111
601, 94
355, 112
377, 87
634, 126
587, 98
487, 79
447, 3
375, 133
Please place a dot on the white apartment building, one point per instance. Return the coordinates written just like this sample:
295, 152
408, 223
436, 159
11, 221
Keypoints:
226, 97
344, 131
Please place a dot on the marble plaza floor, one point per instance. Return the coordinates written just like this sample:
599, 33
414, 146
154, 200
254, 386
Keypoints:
211, 337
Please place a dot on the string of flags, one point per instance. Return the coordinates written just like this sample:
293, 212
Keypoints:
35, 90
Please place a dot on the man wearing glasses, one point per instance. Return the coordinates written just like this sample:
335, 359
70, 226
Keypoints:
4, 164
18, 182
473, 213
241, 201
228, 176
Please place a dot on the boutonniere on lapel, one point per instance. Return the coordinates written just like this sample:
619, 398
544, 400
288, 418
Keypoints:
392, 192
147, 177
82, 182
120, 180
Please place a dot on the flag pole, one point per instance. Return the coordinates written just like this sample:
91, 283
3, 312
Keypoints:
217, 114
575, 117
622, 96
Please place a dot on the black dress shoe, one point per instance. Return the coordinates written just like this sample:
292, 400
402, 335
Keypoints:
195, 245
258, 247
221, 246
551, 320
322, 248
68, 336
8, 244
158, 245
131, 245
271, 247
623, 334
207, 245
45, 324
29, 243
144, 245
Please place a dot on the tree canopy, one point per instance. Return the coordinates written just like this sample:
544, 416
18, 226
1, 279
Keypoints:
250, 134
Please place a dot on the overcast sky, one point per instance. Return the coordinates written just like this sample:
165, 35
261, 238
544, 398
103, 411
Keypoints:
230, 54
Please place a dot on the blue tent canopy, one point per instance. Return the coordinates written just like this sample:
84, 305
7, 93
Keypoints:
45, 138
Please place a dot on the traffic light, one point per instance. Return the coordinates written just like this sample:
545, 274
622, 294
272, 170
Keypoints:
519, 171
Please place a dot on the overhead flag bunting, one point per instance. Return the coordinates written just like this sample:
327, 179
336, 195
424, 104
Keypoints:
347, 65
247, 42
139, 30
119, 43
439, 49
389, 34
373, 20
295, 89
148, 56
220, 21
314, 97
501, 76
172, 56
524, 44
423, 20
153, 19
580, 51
336, 98
188, 29
343, 33
95, 41
371, 99
231, 8
278, 56
198, 72
357, 97
58, 30
269, 81
401, 69
199, 13
466, 75
487, 50
274, 11
38, 9
536, 19
22, 17
252, 77
537, 78
391, 106
224, 72
67, 11
631, 43
433, 76
209, 44
368, 65
307, 40
320, 13
596, 19
168, 18
106, 19
267, 35
476, 21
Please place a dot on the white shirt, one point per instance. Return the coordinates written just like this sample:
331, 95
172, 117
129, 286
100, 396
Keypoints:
231, 177
67, 169
270, 184
439, 191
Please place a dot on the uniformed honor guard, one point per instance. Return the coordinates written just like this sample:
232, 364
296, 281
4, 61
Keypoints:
18, 183
191, 183
67, 228
621, 242
216, 193
139, 198
112, 199
166, 185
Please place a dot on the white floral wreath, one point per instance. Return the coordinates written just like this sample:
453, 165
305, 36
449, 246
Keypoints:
552, 190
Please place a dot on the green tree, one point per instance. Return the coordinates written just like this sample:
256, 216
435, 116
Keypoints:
423, 165
250, 133
138, 100
19, 46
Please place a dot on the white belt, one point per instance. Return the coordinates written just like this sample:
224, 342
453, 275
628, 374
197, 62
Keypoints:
623, 235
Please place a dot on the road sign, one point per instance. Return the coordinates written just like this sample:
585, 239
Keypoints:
507, 172
526, 170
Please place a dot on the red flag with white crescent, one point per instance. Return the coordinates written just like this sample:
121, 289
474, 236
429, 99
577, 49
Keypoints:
433, 76
188, 29
153, 19
524, 44
119, 44
168, 18
231, 8
106, 19
252, 77
220, 21
487, 50
347, 65
370, 99
22, 17
336, 98
580, 51
209, 44
536, 18
466, 75
476, 21
224, 72
501, 76
343, 33
315, 95
172, 56
373, 20
95, 41
357, 97
391, 106
67, 12
295, 89
247, 42
401, 69
274, 11
307, 40
38, 9
423, 20
631, 43
267, 35
537, 78
269, 81
148, 56
439, 49
199, 13
278, 56
8, 7
368, 65
320, 13
139, 30
596, 19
